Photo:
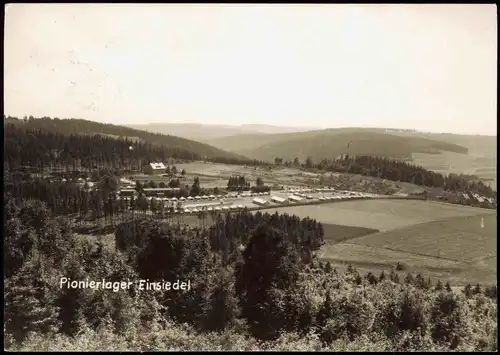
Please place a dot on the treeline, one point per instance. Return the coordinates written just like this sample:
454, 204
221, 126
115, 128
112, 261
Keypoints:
263, 291
395, 170
230, 232
260, 188
102, 200
240, 183
171, 171
40, 146
69, 197
173, 183
90, 204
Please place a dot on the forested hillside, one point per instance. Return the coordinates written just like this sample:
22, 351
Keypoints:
476, 144
255, 284
69, 127
331, 143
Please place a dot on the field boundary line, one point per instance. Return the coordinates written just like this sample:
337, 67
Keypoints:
407, 252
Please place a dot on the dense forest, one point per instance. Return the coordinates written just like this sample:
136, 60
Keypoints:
62, 143
255, 284
69, 198
394, 170
305, 235
76, 199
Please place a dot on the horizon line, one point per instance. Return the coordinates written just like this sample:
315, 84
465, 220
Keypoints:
309, 128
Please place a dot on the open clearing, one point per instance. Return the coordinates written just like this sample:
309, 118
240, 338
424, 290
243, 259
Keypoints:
488, 263
222, 172
438, 240
382, 215
209, 169
459, 238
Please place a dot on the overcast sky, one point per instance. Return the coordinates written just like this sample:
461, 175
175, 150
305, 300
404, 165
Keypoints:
429, 67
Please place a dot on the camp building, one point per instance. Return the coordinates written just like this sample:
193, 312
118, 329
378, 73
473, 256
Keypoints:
154, 168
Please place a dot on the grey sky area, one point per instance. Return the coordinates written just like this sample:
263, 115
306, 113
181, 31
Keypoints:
429, 67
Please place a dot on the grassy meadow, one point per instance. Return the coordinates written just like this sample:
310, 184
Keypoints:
382, 215
438, 240
460, 238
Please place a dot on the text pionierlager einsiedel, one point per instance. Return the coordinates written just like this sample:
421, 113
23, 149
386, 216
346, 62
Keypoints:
115, 286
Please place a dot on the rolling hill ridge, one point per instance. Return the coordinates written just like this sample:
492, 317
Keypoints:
204, 132
85, 127
331, 143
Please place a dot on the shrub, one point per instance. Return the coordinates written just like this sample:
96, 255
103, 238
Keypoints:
447, 319
382, 276
401, 266
439, 286
491, 291
402, 310
394, 277
448, 287
409, 279
371, 278
352, 316
467, 291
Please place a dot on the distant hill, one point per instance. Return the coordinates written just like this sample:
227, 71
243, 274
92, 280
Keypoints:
330, 143
481, 159
79, 126
204, 132
268, 129
477, 145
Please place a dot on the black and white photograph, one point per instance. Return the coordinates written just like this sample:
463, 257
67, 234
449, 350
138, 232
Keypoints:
250, 177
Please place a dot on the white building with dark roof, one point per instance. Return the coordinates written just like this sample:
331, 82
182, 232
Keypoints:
154, 168
277, 199
260, 202
294, 198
